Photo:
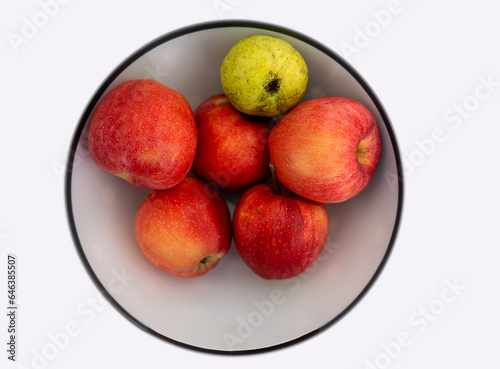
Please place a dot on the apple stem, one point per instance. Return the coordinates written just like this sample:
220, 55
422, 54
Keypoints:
275, 179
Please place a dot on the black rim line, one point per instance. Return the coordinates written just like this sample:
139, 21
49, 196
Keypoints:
182, 32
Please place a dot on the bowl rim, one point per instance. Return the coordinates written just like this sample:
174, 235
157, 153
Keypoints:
202, 26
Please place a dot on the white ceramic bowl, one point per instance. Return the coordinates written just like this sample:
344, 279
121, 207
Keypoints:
230, 309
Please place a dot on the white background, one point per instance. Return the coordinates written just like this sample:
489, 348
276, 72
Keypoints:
425, 62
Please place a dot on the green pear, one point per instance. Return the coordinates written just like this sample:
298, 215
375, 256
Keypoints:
263, 76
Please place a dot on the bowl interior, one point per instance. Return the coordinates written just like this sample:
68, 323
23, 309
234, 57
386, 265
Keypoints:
230, 309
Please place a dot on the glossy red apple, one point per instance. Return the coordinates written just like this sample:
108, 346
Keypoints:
232, 148
184, 230
326, 149
144, 132
278, 235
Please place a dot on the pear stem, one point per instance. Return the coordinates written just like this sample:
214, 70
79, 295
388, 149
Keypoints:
277, 188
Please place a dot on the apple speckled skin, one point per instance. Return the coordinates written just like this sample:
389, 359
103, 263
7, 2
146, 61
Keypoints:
182, 230
145, 133
264, 76
278, 235
232, 150
326, 149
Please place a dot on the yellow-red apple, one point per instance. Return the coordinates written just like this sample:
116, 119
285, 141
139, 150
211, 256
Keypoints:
326, 149
278, 234
144, 132
232, 148
184, 230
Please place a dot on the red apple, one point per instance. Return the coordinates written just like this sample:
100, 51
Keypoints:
232, 149
278, 235
326, 149
184, 230
144, 132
